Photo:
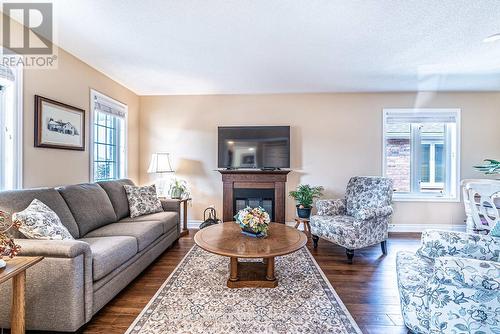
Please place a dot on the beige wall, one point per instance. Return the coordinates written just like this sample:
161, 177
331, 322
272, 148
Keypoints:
70, 83
334, 136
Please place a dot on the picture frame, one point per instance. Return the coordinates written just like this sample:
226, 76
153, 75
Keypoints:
59, 125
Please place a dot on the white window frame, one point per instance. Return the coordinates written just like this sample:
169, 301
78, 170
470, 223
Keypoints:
432, 162
93, 94
16, 91
452, 182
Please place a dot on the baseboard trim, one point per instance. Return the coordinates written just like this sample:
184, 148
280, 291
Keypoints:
194, 223
417, 228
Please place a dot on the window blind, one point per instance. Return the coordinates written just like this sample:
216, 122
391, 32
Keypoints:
436, 116
109, 107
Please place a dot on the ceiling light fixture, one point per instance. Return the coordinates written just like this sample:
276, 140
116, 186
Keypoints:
492, 38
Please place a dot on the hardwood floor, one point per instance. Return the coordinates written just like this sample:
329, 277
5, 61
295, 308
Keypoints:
367, 287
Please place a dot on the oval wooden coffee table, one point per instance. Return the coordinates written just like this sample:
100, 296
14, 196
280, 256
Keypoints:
227, 240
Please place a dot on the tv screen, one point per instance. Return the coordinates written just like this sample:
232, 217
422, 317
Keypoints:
254, 147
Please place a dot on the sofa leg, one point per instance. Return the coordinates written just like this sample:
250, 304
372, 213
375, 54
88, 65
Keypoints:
315, 239
350, 255
383, 245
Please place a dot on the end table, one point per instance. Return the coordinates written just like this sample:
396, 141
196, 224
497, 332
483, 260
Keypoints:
184, 220
305, 221
16, 269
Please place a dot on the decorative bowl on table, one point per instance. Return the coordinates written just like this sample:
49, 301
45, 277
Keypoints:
254, 222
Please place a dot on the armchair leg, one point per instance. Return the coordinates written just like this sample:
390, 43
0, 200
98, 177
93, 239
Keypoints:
315, 239
383, 245
350, 255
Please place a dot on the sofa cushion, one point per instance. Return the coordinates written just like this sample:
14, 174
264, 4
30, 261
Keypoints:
117, 196
18, 200
169, 220
90, 205
40, 222
108, 253
145, 234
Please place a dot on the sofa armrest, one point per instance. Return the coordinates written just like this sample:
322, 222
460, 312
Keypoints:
67, 269
468, 273
171, 205
331, 207
53, 248
435, 243
370, 213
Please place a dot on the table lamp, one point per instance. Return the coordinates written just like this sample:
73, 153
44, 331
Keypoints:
160, 164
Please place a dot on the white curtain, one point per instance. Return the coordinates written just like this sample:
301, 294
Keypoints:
7, 73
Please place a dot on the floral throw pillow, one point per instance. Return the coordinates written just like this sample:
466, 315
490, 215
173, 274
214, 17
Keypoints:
38, 221
495, 231
142, 200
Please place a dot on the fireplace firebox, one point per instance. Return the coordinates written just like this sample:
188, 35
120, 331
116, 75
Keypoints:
253, 198
253, 188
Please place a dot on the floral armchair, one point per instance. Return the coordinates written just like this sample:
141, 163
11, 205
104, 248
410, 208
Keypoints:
360, 220
452, 284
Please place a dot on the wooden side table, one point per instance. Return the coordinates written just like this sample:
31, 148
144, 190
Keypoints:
16, 269
184, 220
184, 203
305, 221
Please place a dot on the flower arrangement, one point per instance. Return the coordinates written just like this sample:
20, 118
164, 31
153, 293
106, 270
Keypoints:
7, 246
254, 222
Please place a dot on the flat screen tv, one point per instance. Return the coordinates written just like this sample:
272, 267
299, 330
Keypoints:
264, 147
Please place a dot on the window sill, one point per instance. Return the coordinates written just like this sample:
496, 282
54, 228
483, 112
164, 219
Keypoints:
426, 199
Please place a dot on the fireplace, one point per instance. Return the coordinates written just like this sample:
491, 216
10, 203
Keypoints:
253, 188
253, 198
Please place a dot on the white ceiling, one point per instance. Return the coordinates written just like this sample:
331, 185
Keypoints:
157, 47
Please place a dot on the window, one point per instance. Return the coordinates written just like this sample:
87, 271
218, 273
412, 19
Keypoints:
108, 138
421, 153
10, 128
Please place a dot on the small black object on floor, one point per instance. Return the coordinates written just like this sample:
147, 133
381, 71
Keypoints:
209, 218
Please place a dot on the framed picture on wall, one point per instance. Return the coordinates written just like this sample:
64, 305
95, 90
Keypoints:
58, 125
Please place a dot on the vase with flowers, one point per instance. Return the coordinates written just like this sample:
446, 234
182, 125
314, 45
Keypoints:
254, 222
7, 246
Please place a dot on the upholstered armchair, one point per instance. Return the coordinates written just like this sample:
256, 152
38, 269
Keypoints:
451, 284
359, 220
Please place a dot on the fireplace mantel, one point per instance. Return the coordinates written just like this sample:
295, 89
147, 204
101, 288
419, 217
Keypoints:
254, 179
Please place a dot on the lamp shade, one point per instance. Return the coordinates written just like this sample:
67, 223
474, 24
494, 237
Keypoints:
160, 163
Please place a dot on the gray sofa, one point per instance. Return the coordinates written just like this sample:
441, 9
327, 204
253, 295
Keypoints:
78, 277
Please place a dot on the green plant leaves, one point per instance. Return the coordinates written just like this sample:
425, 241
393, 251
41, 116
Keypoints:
491, 167
305, 194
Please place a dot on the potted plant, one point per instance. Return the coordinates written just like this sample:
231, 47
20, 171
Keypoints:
305, 195
178, 189
490, 167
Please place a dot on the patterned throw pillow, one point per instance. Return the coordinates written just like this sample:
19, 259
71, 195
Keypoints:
142, 200
495, 231
38, 221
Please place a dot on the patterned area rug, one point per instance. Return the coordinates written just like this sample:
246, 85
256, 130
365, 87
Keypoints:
195, 299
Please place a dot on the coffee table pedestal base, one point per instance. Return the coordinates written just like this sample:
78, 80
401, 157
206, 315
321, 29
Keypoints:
252, 274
